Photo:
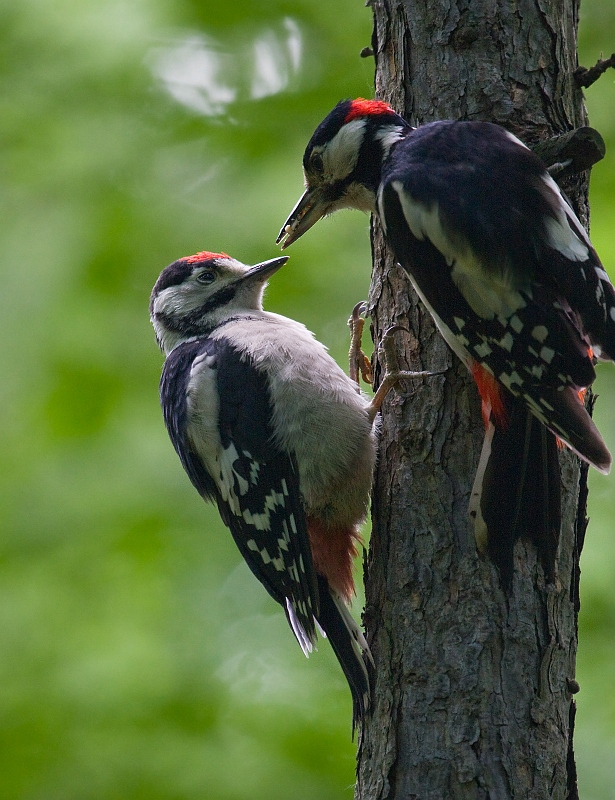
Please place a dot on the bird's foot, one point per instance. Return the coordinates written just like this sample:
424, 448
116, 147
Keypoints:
359, 363
392, 373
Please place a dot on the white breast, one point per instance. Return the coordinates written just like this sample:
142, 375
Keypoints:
320, 417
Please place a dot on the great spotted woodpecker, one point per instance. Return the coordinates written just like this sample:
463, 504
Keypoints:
506, 270
269, 427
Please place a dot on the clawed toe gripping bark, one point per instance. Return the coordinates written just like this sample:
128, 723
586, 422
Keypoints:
360, 364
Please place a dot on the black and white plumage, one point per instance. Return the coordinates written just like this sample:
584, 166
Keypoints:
503, 265
271, 429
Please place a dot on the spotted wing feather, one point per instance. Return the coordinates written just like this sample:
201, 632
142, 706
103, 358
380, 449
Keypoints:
586, 283
491, 275
254, 483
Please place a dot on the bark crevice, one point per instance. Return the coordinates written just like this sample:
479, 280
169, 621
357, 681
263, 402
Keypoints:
473, 687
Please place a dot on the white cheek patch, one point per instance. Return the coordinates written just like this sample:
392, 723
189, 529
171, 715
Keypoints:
176, 300
560, 235
341, 154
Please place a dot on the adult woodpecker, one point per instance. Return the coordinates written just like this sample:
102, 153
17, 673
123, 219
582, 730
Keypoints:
269, 427
506, 270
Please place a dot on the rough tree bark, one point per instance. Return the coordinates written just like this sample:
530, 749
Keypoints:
474, 690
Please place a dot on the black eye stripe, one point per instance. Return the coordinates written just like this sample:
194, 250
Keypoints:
192, 323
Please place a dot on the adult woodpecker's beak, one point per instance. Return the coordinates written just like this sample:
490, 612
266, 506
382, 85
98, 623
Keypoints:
263, 271
310, 208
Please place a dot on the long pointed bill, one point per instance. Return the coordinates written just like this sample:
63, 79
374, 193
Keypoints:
306, 213
265, 269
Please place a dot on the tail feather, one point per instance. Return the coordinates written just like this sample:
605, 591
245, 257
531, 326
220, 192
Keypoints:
307, 641
349, 646
517, 491
566, 416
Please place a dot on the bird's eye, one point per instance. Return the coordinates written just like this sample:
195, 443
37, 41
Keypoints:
206, 277
316, 162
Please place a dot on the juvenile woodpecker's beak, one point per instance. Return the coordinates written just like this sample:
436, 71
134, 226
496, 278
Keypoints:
261, 272
310, 208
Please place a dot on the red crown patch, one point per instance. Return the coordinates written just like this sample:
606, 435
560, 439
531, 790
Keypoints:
366, 108
204, 255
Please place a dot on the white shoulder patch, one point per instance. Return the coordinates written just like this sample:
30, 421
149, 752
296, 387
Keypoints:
424, 222
203, 403
488, 294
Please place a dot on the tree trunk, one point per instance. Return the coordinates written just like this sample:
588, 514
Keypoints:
473, 695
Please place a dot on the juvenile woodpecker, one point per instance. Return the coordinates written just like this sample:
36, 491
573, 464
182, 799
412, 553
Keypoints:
269, 427
505, 268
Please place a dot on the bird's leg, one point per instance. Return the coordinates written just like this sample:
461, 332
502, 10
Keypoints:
360, 366
392, 373
359, 363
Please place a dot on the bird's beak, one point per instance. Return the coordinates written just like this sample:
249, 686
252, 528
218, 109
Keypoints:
306, 213
263, 271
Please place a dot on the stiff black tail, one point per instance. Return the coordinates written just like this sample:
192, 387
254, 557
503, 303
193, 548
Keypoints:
349, 646
520, 495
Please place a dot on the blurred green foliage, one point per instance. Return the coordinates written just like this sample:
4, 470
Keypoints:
140, 659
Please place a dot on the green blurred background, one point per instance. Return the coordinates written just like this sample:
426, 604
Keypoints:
140, 659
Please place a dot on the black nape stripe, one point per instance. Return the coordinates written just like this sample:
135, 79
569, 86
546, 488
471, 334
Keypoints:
191, 324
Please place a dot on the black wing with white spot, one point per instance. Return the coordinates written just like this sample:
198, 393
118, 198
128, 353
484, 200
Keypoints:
583, 282
255, 484
492, 249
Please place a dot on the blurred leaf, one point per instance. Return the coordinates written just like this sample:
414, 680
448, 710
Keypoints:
81, 400
140, 657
